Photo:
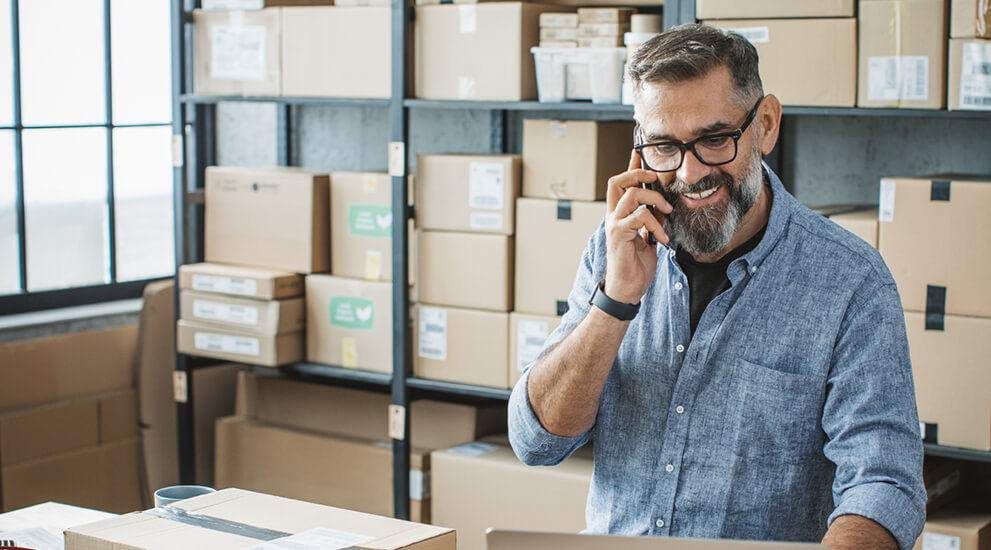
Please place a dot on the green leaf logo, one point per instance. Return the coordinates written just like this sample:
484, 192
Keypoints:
352, 313
370, 220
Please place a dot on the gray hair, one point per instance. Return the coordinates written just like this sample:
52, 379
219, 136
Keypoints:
693, 50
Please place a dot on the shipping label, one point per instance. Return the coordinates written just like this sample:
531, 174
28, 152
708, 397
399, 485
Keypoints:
530, 338
232, 313
975, 77
467, 18
238, 53
351, 312
320, 538
225, 285
486, 221
936, 541
894, 78
486, 185
240, 345
886, 204
432, 342
370, 220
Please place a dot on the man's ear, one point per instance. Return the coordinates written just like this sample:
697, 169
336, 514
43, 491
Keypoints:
768, 123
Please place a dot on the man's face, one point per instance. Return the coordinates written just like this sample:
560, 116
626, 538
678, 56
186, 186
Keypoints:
708, 201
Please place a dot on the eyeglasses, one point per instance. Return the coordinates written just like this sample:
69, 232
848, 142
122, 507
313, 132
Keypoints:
711, 150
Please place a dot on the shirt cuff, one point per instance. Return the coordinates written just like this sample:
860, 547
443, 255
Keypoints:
533, 444
886, 505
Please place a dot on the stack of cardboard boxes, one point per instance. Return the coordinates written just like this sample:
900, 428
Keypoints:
970, 55
603, 27
558, 30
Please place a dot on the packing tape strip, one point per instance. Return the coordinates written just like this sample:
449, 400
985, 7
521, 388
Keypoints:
179, 515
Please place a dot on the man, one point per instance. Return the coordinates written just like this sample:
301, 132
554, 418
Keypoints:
748, 376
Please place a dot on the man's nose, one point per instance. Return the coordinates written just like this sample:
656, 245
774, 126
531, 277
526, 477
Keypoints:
692, 170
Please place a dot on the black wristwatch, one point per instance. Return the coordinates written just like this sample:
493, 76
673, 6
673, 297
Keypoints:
619, 310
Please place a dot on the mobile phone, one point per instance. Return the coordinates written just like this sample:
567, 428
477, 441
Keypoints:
653, 186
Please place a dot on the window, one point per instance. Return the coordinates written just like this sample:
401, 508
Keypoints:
85, 150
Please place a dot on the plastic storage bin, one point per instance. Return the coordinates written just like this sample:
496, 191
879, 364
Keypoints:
579, 73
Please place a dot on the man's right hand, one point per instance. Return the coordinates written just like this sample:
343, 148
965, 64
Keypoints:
630, 261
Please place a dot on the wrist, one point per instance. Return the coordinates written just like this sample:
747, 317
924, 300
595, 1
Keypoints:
624, 311
616, 292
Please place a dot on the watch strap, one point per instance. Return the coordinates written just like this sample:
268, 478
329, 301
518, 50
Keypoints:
619, 310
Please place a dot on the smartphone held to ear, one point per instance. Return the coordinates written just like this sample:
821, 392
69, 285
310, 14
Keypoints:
653, 186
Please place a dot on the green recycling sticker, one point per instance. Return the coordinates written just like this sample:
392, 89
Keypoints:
352, 313
370, 220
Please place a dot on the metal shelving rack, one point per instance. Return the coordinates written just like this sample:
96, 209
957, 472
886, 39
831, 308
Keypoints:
194, 125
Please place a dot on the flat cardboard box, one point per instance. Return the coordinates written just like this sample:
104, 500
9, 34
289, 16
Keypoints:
466, 270
483, 484
262, 316
253, 282
605, 15
461, 345
237, 52
804, 61
551, 237
361, 414
102, 477
970, 19
527, 334
596, 151
553, 34
968, 84
902, 53
773, 9
44, 370
337, 51
477, 52
350, 473
274, 217
862, 223
956, 529
558, 20
228, 344
952, 378
942, 251
594, 30
467, 192
146, 531
349, 322
361, 225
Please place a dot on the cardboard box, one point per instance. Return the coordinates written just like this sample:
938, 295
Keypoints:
253, 282
969, 84
147, 530
552, 34
902, 54
924, 224
467, 192
558, 20
970, 19
274, 217
804, 61
593, 30
337, 51
259, 4
262, 316
605, 15
551, 237
361, 225
350, 473
53, 368
862, 223
595, 151
349, 322
237, 52
234, 345
956, 529
482, 485
527, 334
773, 9
477, 52
461, 345
952, 378
466, 270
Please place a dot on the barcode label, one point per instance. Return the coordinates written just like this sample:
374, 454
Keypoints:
486, 185
491, 221
894, 78
886, 203
225, 285
432, 341
975, 76
223, 343
238, 53
530, 338
216, 311
936, 541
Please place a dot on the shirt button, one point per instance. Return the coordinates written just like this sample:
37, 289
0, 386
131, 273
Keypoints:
679, 409
659, 523
753, 269
677, 286
680, 348
669, 468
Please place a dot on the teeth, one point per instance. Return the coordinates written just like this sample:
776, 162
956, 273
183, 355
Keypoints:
702, 195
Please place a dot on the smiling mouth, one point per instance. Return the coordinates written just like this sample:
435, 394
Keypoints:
701, 195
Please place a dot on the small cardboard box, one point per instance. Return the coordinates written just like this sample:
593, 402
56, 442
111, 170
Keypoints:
605, 15
969, 84
527, 334
595, 151
466, 270
252, 282
262, 316
554, 20
956, 529
804, 61
361, 225
970, 19
274, 217
461, 345
550, 239
349, 322
237, 52
926, 234
862, 223
152, 529
773, 9
230, 344
337, 51
467, 192
902, 54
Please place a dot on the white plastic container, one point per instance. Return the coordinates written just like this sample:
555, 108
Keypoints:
579, 73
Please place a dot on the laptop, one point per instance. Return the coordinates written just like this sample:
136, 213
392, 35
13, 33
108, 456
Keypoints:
505, 539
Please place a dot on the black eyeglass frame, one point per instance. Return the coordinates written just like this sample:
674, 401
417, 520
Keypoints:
682, 146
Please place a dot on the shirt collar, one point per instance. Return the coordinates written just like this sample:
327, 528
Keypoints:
782, 206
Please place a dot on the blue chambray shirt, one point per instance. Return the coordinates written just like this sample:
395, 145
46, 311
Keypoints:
792, 405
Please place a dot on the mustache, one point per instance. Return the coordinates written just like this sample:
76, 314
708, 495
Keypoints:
679, 186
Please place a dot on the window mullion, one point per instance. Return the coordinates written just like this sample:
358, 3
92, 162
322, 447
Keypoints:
18, 145
108, 96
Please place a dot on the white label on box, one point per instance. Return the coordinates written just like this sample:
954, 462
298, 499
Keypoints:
486, 220
486, 184
433, 334
319, 538
419, 485
559, 129
238, 53
216, 311
466, 87
232, 4
756, 35
530, 338
936, 541
240, 345
886, 204
975, 77
475, 448
892, 78
225, 285
467, 18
